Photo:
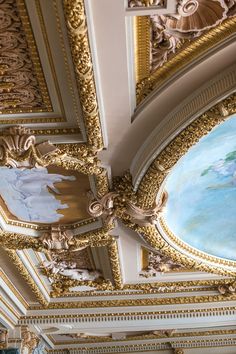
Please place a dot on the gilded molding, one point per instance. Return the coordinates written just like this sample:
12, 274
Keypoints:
154, 177
162, 313
23, 85
115, 264
159, 334
153, 288
18, 145
193, 51
142, 47
27, 277
147, 347
82, 59
56, 131
180, 300
4, 277
193, 251
179, 146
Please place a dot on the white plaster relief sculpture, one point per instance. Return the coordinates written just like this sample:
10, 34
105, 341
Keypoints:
103, 207
145, 217
159, 263
16, 141
57, 239
69, 270
191, 20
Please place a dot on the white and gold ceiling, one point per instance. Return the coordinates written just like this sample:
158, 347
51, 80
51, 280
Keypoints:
117, 177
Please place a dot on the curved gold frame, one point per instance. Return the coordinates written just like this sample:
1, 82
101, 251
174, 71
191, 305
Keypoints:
153, 180
149, 82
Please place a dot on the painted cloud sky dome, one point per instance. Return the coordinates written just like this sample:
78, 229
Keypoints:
201, 207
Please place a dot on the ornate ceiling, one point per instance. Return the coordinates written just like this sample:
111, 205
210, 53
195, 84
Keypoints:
117, 176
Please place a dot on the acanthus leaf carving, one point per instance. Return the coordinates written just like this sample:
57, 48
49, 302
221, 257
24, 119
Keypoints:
228, 289
30, 340
18, 148
114, 205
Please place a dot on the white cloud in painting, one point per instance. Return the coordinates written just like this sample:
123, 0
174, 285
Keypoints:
27, 196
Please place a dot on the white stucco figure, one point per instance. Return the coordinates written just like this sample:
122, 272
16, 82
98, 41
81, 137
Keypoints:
80, 274
68, 269
27, 196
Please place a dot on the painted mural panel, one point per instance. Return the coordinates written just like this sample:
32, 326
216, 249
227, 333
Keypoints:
201, 208
43, 194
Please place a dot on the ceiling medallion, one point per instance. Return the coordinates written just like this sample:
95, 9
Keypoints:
206, 172
201, 186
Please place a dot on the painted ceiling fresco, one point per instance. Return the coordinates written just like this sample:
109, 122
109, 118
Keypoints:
43, 195
201, 206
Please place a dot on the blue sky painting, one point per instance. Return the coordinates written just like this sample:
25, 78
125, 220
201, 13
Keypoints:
201, 209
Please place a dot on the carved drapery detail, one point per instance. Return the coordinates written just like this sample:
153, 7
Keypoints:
145, 217
18, 148
57, 239
22, 82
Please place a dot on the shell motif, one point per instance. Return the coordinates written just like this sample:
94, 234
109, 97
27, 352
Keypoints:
197, 15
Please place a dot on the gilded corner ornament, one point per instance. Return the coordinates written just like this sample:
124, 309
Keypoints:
173, 43
18, 148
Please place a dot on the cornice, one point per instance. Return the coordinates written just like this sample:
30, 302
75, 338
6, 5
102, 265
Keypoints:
148, 337
129, 316
146, 347
180, 300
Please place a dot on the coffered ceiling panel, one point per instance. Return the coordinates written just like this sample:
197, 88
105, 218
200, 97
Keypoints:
103, 229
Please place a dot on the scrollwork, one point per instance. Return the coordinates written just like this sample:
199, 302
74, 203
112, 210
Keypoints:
18, 148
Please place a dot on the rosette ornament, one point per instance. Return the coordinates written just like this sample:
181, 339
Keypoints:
197, 16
